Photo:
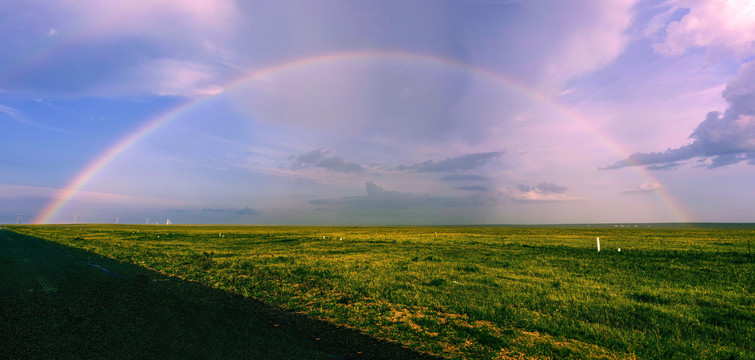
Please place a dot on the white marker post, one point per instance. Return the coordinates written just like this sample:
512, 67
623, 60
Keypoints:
598, 239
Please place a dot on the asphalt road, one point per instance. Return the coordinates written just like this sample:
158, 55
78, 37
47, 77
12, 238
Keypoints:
66, 303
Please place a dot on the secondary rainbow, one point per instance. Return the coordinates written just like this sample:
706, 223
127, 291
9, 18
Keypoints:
150, 126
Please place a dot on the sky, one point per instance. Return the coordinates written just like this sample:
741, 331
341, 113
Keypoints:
377, 112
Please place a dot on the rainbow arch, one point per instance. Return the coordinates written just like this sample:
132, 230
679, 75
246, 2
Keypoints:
154, 124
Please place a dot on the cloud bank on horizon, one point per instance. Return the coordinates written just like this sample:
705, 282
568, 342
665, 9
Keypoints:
382, 112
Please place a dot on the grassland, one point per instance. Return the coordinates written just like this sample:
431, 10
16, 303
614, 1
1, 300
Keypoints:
474, 292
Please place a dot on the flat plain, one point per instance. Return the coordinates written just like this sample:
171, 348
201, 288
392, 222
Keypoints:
507, 292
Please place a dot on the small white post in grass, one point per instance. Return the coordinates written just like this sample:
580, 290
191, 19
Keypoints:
598, 239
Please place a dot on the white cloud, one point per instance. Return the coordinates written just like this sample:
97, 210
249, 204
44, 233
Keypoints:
644, 187
52, 32
727, 25
17, 117
13, 113
533, 196
167, 77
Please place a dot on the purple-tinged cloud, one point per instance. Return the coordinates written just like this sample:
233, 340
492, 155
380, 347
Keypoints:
380, 200
311, 157
544, 188
543, 192
461, 163
718, 25
479, 188
725, 139
337, 164
643, 188
319, 158
463, 177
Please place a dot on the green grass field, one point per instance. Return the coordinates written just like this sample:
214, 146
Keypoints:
475, 292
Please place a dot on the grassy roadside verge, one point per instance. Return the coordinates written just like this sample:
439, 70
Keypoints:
474, 292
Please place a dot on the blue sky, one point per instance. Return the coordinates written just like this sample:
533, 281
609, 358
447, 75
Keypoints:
377, 112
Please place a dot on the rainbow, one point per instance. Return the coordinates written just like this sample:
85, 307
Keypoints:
154, 124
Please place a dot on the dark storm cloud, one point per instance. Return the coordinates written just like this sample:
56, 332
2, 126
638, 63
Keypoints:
725, 139
460, 163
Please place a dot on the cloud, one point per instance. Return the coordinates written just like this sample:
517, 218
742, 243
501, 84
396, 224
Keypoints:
125, 47
667, 166
197, 19
248, 212
723, 25
166, 77
11, 191
460, 163
319, 158
311, 157
644, 188
337, 164
380, 200
463, 177
16, 116
11, 112
543, 192
592, 35
726, 138
472, 188
544, 188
